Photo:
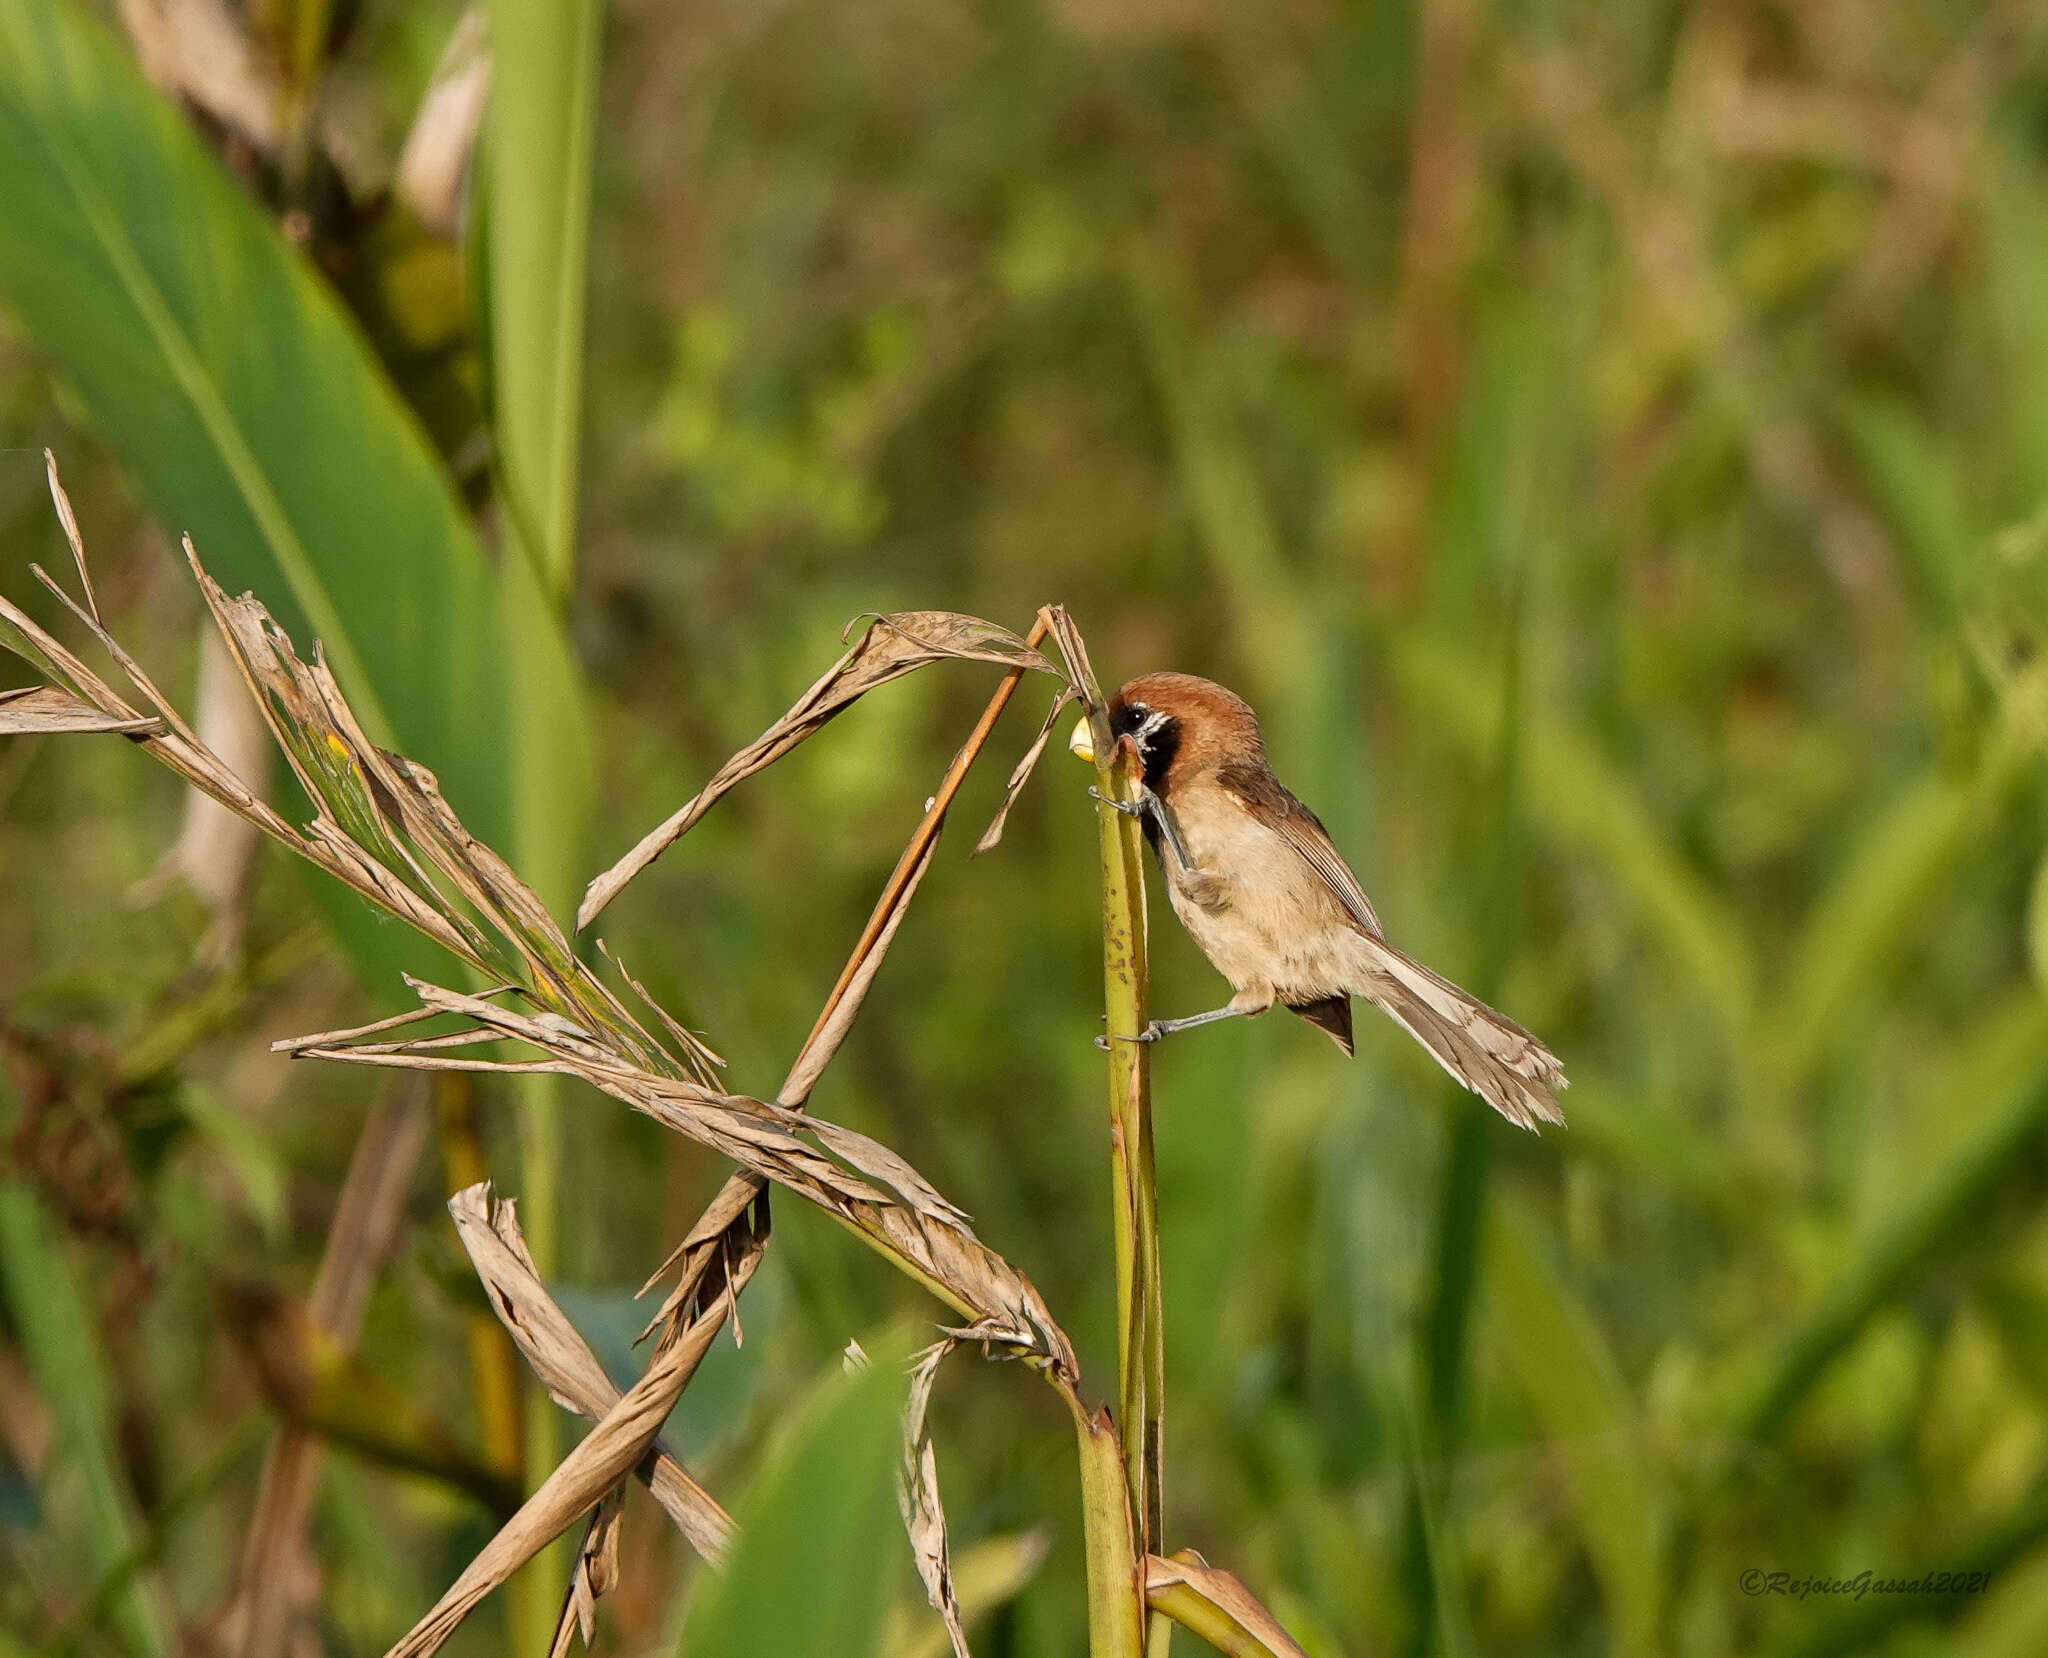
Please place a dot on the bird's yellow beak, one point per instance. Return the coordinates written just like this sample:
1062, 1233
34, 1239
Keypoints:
1082, 742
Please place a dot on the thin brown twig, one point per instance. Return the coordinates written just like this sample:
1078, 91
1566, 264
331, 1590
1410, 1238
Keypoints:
926, 833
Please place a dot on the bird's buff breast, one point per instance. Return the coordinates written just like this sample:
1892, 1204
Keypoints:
1260, 914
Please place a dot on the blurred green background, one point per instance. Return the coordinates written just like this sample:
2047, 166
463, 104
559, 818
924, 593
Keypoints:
1608, 443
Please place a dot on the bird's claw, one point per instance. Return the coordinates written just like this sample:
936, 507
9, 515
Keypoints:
1151, 1033
1129, 808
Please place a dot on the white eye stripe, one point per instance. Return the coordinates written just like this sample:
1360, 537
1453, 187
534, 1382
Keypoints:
1149, 726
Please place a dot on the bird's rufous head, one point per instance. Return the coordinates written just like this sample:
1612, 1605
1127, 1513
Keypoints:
1182, 726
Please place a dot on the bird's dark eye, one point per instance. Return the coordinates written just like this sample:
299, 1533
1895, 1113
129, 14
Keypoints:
1137, 721
1156, 732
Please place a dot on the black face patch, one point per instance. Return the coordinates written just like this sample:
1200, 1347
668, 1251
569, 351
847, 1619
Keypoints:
1156, 734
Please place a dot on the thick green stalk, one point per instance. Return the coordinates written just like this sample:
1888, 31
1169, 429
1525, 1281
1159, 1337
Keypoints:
1134, 1191
1141, 1344
1116, 1590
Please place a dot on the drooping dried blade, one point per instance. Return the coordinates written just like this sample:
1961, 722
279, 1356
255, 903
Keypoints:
917, 1497
1215, 1605
892, 646
335, 765
1022, 774
859, 1182
45, 708
595, 1573
567, 1368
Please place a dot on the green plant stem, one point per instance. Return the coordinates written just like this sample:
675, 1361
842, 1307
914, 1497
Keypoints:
1116, 1589
1141, 1351
1141, 1341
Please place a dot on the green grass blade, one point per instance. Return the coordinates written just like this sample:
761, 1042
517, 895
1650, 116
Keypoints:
1573, 1385
1582, 803
63, 1351
541, 139
1885, 884
1945, 1211
820, 1544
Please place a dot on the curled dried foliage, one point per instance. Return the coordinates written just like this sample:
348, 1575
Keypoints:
563, 1361
616, 1446
891, 647
595, 1573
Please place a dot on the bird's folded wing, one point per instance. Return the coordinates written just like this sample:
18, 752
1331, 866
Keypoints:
1266, 798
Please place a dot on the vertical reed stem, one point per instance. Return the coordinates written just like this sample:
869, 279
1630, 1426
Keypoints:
1141, 1345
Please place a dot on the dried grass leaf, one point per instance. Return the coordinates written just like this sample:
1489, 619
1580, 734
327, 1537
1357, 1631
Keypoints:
864, 1185
69, 521
608, 1453
567, 1368
1216, 1606
595, 1573
45, 708
917, 1496
891, 646
1022, 774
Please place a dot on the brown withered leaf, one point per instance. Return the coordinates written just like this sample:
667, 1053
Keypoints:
1022, 774
567, 1368
917, 1496
1216, 1606
891, 647
39, 708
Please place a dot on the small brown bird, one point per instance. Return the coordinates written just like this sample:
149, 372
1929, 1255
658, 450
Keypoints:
1253, 877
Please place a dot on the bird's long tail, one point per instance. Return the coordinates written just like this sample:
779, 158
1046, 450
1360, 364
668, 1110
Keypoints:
1486, 1051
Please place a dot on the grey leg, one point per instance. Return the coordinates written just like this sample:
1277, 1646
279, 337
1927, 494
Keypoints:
1166, 1027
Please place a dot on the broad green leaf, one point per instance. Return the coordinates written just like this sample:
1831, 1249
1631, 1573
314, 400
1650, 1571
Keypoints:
820, 1542
242, 399
1567, 1373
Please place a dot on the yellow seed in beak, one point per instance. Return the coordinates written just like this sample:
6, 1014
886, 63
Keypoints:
1083, 740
